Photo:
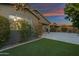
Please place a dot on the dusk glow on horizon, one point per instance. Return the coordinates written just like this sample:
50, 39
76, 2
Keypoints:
54, 12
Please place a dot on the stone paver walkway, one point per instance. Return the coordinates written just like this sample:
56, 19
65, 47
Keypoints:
65, 37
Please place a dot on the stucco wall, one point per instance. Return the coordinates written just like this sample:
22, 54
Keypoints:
9, 12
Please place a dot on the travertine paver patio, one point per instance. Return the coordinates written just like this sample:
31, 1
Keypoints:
61, 36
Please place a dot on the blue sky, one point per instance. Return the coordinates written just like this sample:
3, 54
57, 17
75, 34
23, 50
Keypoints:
54, 12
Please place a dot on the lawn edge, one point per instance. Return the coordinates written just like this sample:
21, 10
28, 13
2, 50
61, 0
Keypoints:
62, 41
19, 44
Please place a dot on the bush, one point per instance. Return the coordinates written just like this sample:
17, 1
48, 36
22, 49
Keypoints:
25, 30
64, 29
4, 30
53, 28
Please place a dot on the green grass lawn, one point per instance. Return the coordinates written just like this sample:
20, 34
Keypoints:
44, 47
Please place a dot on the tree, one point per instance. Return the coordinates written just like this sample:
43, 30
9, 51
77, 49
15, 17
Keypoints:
21, 6
64, 29
72, 13
4, 30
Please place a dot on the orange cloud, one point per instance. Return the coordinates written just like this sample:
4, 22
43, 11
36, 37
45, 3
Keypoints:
57, 12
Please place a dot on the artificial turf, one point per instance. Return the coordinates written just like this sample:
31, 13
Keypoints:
44, 47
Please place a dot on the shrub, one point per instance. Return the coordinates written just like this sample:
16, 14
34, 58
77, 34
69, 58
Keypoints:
4, 30
64, 29
53, 28
25, 30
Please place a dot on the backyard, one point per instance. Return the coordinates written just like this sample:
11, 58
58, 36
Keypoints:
44, 47
59, 37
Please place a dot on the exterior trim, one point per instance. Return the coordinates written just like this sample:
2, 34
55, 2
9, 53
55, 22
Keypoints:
42, 15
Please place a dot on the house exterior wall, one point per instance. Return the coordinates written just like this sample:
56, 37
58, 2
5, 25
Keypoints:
42, 21
9, 12
36, 22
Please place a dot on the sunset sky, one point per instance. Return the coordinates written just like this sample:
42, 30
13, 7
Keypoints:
54, 12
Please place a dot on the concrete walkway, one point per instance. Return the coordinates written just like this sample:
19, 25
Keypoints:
65, 37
